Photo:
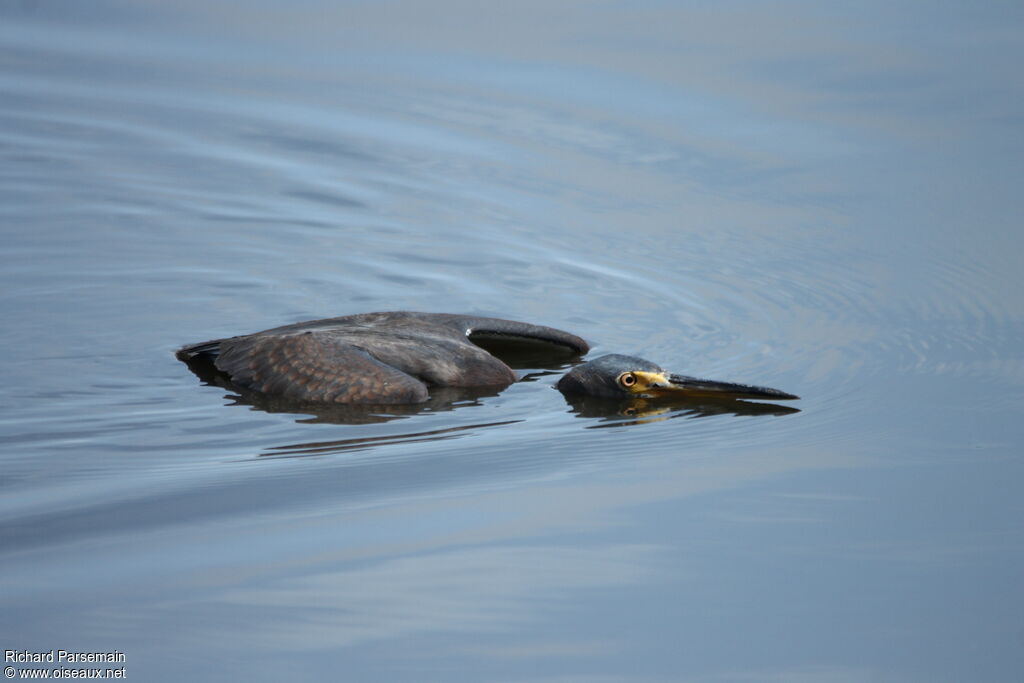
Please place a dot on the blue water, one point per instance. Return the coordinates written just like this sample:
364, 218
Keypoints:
821, 199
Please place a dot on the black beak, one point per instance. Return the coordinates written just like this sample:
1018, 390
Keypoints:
706, 388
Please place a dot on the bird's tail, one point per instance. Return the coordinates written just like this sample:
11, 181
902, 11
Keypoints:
207, 349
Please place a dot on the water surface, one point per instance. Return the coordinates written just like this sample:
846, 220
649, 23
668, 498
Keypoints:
824, 200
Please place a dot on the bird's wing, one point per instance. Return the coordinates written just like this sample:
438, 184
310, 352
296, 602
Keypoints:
313, 366
397, 324
485, 330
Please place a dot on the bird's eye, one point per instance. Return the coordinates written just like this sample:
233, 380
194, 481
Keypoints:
627, 379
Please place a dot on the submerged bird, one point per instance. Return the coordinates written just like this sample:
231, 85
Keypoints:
398, 357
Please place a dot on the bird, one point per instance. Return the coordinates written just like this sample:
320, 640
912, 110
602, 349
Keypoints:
399, 357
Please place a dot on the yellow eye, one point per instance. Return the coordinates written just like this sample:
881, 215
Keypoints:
627, 379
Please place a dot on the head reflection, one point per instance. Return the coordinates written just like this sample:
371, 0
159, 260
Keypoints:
613, 411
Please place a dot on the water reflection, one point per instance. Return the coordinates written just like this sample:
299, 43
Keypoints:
617, 413
367, 442
441, 399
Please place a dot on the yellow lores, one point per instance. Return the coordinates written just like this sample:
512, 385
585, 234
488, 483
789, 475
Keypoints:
638, 382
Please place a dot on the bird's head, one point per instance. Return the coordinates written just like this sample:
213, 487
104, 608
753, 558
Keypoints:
618, 376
